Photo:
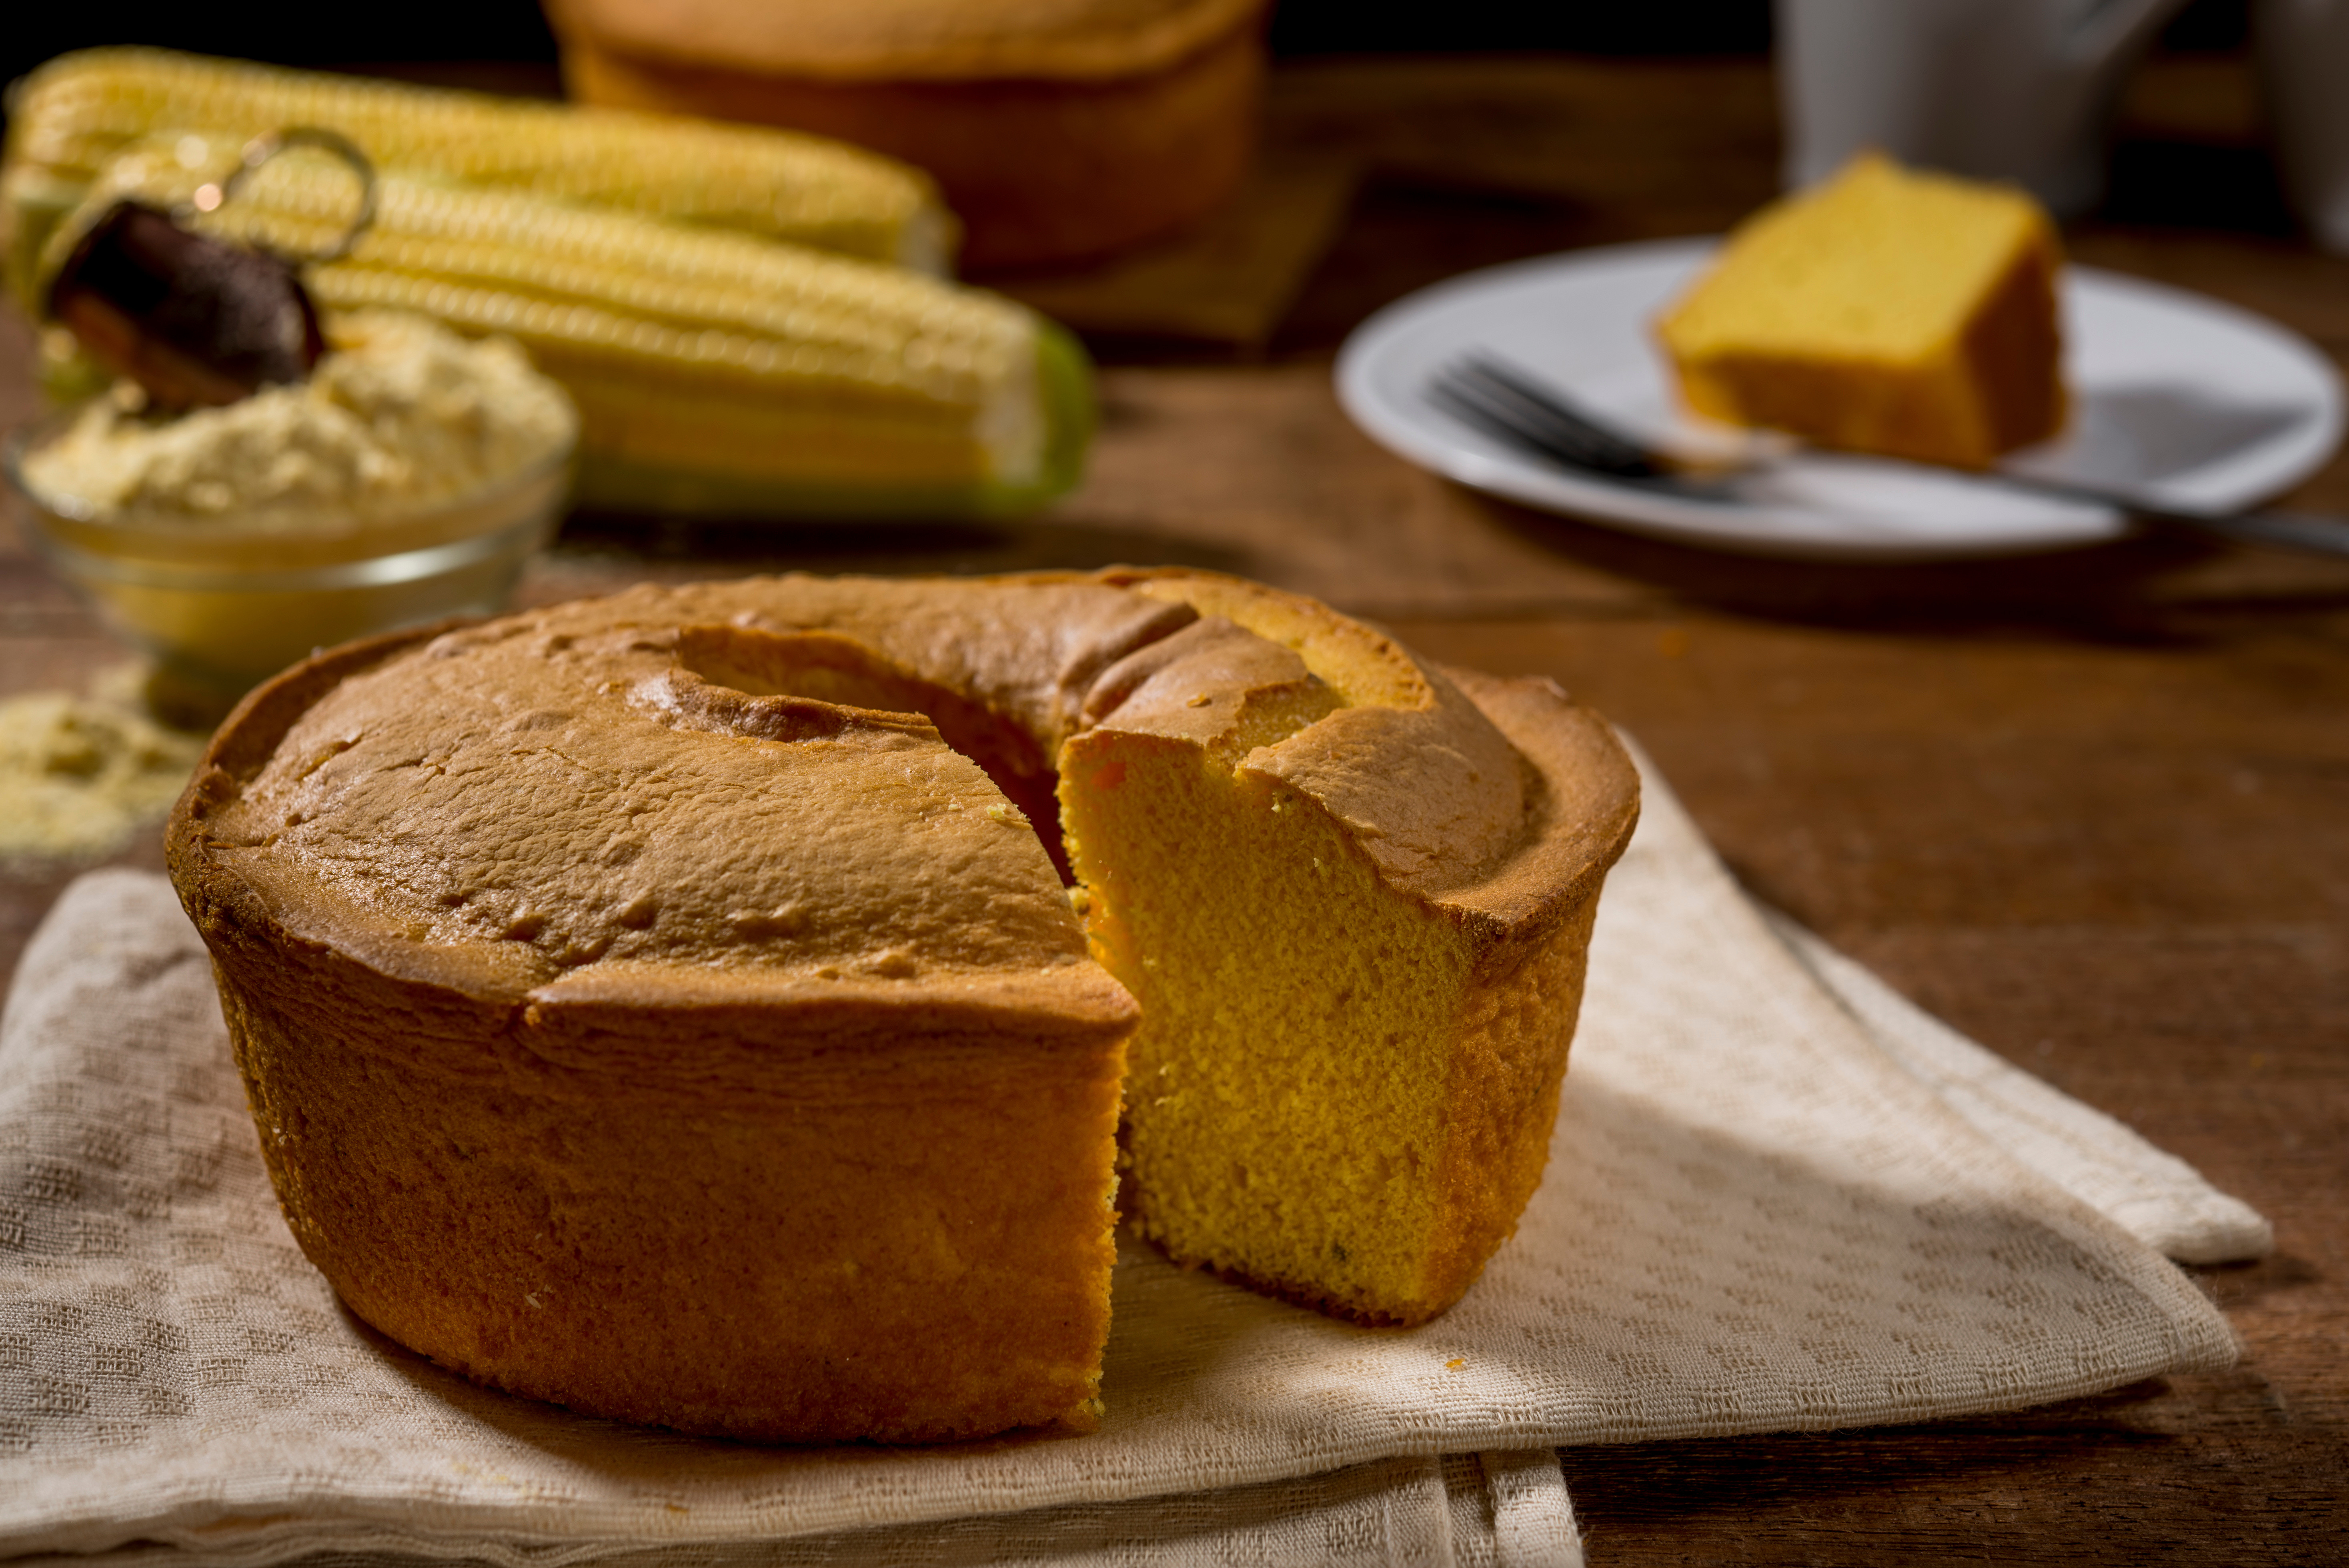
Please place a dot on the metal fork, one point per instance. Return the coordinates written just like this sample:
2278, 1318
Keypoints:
1512, 405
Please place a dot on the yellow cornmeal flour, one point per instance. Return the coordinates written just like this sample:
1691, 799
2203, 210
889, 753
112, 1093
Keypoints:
403, 414
78, 776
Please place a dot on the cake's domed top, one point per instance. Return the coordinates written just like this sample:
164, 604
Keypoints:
825, 787
913, 39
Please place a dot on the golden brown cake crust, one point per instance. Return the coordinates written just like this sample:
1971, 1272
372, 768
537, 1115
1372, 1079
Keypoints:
1436, 796
521, 809
1439, 794
1510, 1064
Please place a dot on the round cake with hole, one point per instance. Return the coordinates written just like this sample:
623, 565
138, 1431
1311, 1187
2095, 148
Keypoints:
712, 1006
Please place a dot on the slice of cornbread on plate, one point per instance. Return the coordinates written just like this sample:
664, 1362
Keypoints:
1887, 310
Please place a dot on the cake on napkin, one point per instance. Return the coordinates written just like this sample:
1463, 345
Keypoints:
1762, 1219
667, 1004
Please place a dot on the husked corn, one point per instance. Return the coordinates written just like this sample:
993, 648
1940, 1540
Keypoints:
70, 118
712, 370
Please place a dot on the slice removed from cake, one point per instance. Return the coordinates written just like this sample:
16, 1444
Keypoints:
1886, 311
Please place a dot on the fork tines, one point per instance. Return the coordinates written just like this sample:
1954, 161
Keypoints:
1505, 402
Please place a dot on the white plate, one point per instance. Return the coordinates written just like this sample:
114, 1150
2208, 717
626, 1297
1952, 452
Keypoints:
2178, 399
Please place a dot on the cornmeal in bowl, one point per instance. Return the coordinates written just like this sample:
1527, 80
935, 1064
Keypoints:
407, 479
402, 417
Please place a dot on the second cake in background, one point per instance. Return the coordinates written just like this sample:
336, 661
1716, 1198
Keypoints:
1060, 130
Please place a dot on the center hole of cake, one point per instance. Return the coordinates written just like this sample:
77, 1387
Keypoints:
825, 666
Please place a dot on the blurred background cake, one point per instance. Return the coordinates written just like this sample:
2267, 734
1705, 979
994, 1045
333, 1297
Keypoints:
1060, 129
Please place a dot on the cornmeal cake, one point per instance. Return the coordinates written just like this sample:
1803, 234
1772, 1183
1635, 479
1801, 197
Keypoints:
1906, 313
674, 1004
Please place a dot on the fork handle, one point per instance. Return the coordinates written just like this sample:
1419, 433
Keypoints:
2292, 530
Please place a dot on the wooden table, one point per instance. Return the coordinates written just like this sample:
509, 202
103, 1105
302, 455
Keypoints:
2091, 808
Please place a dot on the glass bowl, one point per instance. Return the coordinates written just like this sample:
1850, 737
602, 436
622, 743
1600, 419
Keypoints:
222, 605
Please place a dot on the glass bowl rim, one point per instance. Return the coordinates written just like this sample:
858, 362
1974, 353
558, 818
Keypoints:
287, 522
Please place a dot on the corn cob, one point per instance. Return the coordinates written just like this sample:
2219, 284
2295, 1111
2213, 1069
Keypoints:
68, 118
714, 372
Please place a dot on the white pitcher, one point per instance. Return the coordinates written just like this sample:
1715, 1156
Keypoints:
2304, 54
1999, 89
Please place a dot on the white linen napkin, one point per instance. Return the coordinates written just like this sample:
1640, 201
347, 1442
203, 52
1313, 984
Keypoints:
1778, 1200
2157, 1198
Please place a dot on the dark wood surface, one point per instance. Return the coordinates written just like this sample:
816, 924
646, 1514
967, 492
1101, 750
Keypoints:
2092, 808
